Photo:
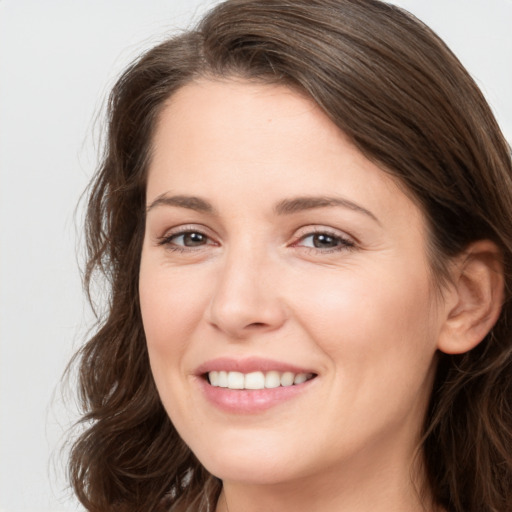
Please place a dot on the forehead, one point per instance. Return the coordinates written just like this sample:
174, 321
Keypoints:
238, 116
235, 140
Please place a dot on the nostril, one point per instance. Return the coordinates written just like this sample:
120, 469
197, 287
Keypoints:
256, 325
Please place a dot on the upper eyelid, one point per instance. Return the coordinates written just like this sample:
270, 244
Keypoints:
319, 229
187, 228
298, 234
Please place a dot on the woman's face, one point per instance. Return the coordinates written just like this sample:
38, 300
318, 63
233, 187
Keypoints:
280, 262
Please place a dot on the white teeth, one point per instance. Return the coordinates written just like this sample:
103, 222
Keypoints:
272, 380
300, 378
287, 379
256, 380
236, 380
223, 379
214, 378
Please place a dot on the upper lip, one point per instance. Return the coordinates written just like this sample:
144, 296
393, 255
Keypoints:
248, 365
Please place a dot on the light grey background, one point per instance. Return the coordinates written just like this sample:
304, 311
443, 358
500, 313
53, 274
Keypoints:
58, 59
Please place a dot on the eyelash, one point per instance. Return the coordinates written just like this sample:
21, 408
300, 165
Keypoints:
168, 240
343, 243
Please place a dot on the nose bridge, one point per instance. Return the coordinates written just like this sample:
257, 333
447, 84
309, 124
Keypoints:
246, 296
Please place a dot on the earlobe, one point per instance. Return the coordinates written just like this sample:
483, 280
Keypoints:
478, 287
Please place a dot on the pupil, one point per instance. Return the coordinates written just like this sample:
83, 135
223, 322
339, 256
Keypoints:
191, 239
322, 241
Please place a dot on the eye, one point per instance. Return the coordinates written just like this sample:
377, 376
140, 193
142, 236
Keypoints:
189, 239
324, 241
185, 239
321, 241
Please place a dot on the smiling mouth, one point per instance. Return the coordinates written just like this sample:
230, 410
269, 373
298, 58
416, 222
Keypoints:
256, 380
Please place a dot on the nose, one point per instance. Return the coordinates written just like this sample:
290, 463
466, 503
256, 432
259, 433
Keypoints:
246, 298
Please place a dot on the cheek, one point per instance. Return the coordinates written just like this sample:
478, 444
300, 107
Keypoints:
172, 302
379, 337
171, 307
378, 319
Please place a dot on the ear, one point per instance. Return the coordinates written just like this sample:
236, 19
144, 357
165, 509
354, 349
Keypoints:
476, 296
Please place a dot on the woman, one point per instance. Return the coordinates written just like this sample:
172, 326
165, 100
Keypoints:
305, 217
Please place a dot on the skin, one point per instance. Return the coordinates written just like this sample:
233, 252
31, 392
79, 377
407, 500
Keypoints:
361, 312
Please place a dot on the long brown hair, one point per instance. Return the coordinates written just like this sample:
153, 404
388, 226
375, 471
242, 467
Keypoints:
408, 104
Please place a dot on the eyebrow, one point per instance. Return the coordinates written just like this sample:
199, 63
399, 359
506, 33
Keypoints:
284, 207
298, 204
190, 202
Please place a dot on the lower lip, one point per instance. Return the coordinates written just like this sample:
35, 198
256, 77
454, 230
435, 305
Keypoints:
244, 401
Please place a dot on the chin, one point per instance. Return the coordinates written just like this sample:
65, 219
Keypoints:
250, 472
266, 461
